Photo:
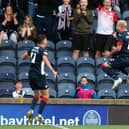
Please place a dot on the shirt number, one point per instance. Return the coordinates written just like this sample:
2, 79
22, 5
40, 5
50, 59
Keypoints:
33, 57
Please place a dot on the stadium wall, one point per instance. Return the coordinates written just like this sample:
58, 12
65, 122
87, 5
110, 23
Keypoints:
67, 112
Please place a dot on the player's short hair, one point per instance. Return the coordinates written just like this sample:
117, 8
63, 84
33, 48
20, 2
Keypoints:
122, 23
41, 38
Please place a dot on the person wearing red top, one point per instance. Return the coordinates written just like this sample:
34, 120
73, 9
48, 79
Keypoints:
107, 18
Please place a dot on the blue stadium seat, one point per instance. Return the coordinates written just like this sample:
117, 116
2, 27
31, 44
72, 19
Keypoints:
107, 94
8, 48
101, 60
25, 44
51, 57
20, 52
65, 64
52, 93
66, 78
66, 90
24, 78
64, 44
91, 79
123, 86
50, 46
51, 81
104, 81
23, 65
66, 84
7, 64
64, 48
123, 93
7, 81
6, 93
85, 64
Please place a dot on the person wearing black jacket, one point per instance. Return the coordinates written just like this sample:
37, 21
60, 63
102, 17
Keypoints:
45, 16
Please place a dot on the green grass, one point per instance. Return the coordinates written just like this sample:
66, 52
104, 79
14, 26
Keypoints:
67, 127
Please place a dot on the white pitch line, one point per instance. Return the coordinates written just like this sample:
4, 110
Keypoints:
60, 127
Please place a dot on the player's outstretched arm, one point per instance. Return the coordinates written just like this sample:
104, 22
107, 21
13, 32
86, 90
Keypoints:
25, 55
47, 62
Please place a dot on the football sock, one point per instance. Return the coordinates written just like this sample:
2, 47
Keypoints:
42, 105
34, 102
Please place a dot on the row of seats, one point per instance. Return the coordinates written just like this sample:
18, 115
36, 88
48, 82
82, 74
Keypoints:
65, 85
70, 71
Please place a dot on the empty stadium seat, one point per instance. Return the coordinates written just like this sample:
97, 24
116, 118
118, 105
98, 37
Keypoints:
24, 46
6, 93
65, 64
123, 93
66, 84
7, 64
7, 81
66, 90
64, 48
51, 81
90, 77
23, 65
24, 78
104, 81
8, 48
107, 94
50, 46
52, 93
85, 64
66, 78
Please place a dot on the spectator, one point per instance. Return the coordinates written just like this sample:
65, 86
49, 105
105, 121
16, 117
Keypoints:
32, 8
84, 90
120, 53
9, 24
116, 7
124, 5
28, 29
65, 18
107, 18
18, 93
19, 6
45, 22
82, 22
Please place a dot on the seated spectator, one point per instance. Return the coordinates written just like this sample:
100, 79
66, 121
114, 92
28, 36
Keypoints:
18, 93
120, 53
82, 22
107, 18
28, 29
65, 18
9, 24
84, 90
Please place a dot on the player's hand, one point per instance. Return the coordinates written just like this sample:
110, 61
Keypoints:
55, 74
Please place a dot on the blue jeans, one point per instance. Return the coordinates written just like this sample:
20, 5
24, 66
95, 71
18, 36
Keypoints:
45, 26
32, 10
